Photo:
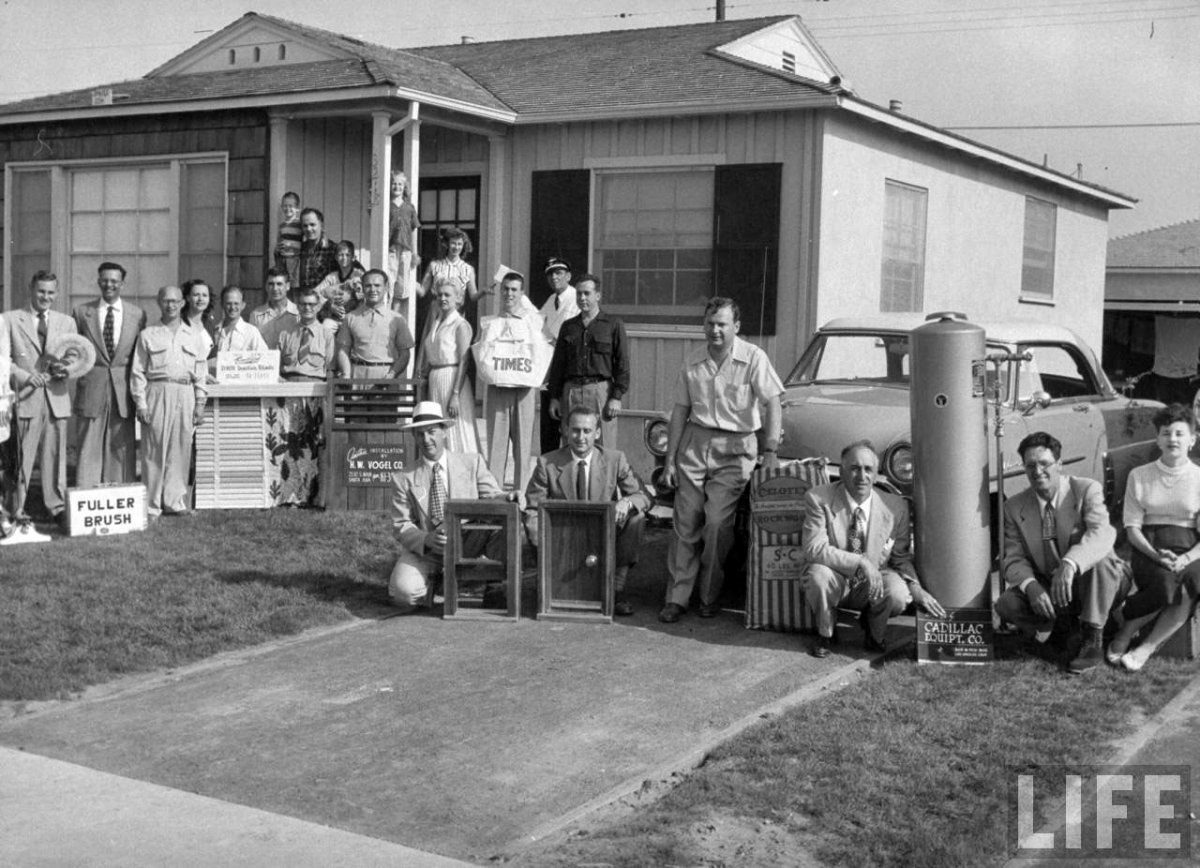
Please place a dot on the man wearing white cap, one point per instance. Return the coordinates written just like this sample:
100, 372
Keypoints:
419, 503
557, 309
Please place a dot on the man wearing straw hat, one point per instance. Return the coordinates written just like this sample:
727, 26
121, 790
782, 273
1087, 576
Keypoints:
419, 504
44, 402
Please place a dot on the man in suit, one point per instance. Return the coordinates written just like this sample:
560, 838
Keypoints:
44, 402
419, 500
584, 471
858, 549
1058, 562
106, 433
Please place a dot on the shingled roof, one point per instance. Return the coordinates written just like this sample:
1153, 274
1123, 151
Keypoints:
571, 73
624, 69
1175, 246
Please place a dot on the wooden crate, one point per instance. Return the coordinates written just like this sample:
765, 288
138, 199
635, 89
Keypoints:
467, 565
576, 560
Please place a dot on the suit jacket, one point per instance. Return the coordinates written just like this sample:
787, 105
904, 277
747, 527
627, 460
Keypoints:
27, 352
469, 479
828, 515
609, 478
1085, 535
110, 372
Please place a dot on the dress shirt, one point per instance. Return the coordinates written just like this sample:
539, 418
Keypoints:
118, 317
321, 355
597, 349
556, 310
163, 354
726, 398
243, 336
374, 335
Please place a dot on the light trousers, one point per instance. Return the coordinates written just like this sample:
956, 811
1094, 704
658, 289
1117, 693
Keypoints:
44, 442
167, 445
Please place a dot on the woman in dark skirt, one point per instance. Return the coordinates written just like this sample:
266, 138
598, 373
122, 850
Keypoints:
1162, 507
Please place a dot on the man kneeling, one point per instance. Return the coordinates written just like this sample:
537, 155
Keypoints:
858, 548
585, 471
1058, 553
419, 504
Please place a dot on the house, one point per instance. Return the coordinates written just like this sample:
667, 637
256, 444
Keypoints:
727, 158
1152, 310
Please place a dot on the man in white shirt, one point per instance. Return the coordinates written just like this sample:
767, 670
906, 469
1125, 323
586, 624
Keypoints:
235, 334
557, 309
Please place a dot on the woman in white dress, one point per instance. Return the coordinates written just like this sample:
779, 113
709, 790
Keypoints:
445, 352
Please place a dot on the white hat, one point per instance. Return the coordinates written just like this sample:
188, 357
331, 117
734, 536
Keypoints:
425, 414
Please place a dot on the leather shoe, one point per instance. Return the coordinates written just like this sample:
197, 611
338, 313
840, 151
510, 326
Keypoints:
671, 613
711, 610
622, 608
820, 646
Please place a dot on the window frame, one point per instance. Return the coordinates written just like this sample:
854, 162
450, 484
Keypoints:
1038, 294
60, 212
887, 294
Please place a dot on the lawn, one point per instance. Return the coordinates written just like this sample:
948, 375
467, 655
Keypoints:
907, 767
82, 611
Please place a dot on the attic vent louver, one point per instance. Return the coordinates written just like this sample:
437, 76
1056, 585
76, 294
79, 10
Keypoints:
789, 62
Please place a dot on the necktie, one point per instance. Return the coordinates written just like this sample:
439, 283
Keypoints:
1050, 537
858, 532
557, 299
306, 336
437, 497
109, 322
42, 330
581, 480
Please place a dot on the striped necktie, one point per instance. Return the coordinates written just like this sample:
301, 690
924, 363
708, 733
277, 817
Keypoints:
110, 319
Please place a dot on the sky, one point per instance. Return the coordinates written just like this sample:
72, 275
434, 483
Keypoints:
1108, 88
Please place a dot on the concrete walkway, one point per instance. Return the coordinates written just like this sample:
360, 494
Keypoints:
464, 739
54, 813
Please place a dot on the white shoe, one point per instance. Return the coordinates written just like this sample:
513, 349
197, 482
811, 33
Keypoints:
25, 533
1113, 656
1133, 661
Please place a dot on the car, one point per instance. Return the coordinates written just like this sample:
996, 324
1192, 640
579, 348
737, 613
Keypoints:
852, 382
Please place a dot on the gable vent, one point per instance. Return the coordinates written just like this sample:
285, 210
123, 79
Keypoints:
789, 62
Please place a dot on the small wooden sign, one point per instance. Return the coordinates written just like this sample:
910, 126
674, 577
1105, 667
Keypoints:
245, 366
373, 465
963, 637
106, 509
576, 560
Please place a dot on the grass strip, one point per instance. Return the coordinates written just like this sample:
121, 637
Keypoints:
82, 611
910, 766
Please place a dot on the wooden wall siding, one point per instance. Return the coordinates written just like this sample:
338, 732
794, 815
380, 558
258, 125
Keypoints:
241, 134
328, 164
790, 138
440, 145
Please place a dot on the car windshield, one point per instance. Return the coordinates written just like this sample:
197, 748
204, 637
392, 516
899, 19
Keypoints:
875, 359
879, 359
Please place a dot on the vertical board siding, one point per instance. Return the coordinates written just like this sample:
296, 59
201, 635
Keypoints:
328, 164
790, 138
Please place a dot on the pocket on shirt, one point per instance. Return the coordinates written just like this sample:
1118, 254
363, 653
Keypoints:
601, 349
739, 398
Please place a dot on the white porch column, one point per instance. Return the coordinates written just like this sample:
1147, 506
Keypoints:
381, 170
412, 169
495, 225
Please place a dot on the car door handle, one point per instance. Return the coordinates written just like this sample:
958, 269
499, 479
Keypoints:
1082, 408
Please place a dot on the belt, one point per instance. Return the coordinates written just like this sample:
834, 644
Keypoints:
365, 364
178, 381
585, 381
451, 365
719, 430
294, 376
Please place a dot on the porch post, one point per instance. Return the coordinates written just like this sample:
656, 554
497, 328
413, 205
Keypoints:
412, 169
381, 170
496, 224
277, 185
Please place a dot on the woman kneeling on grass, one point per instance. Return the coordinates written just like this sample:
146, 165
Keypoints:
1162, 506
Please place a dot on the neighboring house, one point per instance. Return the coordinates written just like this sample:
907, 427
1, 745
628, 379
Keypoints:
676, 162
1152, 310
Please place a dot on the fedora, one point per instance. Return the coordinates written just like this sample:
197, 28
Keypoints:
425, 414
